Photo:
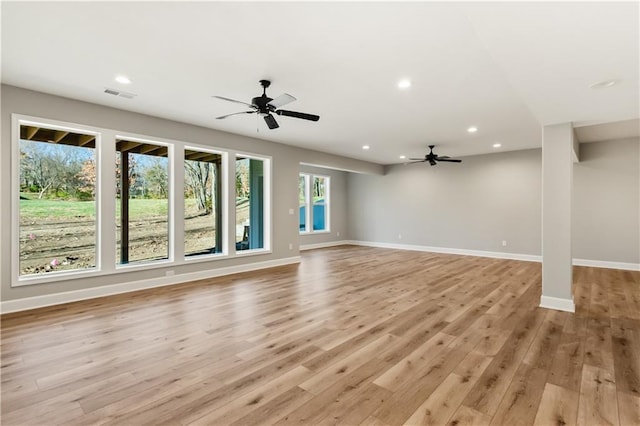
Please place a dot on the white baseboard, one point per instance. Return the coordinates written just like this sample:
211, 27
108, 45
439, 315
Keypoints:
496, 255
606, 264
557, 303
323, 245
109, 290
444, 250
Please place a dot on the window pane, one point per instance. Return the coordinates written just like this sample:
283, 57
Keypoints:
302, 201
319, 203
57, 201
249, 203
142, 205
202, 203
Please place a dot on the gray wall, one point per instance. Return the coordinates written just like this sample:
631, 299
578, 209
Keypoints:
474, 205
285, 166
606, 202
489, 198
338, 207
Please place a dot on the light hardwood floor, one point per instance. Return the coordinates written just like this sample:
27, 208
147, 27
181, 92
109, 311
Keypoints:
352, 335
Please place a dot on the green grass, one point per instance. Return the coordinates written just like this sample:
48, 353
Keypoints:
54, 209
140, 208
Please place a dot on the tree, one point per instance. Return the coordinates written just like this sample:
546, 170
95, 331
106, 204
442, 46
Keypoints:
199, 177
87, 177
242, 178
132, 172
318, 187
52, 169
157, 178
45, 166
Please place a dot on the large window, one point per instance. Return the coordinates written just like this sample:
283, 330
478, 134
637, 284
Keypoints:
303, 195
203, 226
57, 205
313, 200
89, 201
142, 202
250, 203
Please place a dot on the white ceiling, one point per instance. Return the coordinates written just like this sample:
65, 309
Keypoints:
507, 68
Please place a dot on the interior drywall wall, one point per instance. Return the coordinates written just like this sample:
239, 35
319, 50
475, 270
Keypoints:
285, 165
338, 206
606, 202
475, 205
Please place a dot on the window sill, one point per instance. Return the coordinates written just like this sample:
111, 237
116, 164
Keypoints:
205, 258
315, 232
74, 275
252, 252
53, 277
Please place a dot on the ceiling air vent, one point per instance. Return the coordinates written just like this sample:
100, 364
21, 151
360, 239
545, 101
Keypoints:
114, 92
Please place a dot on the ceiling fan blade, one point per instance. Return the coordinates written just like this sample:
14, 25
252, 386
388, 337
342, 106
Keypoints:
222, 117
271, 121
449, 160
281, 100
295, 114
432, 162
418, 159
233, 100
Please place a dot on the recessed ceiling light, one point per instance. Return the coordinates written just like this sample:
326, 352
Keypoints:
365, 147
402, 157
497, 145
603, 84
405, 83
123, 79
472, 129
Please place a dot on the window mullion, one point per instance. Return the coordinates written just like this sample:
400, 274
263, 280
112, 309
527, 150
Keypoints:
106, 208
309, 206
176, 204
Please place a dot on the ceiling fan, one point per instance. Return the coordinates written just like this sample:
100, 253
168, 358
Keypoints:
434, 158
266, 106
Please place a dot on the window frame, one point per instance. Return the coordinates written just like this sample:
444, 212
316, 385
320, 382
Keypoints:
309, 179
307, 212
171, 236
18, 280
106, 263
267, 224
224, 208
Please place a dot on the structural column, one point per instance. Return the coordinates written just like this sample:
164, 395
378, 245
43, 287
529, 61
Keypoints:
557, 188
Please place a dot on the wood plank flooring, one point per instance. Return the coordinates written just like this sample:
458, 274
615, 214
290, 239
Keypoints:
352, 335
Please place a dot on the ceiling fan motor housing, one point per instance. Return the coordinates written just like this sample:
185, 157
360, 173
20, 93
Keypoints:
261, 102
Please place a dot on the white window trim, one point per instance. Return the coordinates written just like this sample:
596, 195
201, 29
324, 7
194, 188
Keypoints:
223, 208
171, 210
307, 211
18, 120
106, 263
309, 205
267, 224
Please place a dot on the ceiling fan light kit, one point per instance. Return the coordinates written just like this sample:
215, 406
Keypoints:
266, 107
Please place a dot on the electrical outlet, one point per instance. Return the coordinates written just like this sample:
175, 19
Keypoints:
399, 236
169, 273
290, 246
338, 234
504, 243
290, 211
